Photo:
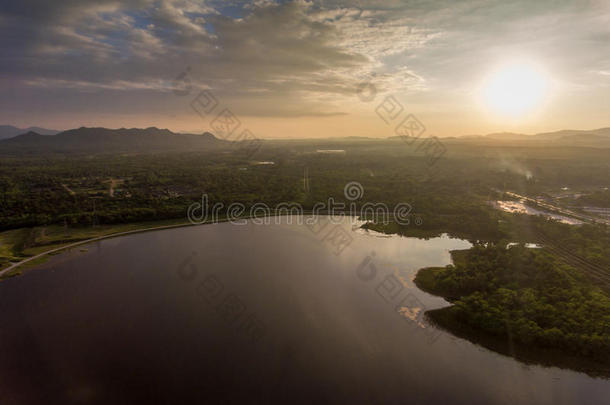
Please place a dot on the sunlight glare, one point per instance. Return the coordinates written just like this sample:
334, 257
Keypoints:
515, 89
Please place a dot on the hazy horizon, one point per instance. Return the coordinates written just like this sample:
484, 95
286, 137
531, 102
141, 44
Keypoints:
319, 137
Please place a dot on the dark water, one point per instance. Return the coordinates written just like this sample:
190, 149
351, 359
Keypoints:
251, 314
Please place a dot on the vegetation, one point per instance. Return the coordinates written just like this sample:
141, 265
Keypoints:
523, 297
596, 199
587, 244
88, 189
19, 244
556, 297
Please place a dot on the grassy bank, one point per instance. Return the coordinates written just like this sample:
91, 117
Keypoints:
19, 244
23, 244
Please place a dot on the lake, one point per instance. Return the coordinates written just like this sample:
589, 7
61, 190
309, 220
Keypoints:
253, 314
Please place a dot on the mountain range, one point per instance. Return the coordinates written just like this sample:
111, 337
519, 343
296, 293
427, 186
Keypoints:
96, 140
152, 139
9, 131
566, 135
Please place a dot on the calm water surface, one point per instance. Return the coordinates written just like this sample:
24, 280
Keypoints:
252, 314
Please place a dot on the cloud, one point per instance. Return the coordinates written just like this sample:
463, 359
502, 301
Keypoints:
282, 57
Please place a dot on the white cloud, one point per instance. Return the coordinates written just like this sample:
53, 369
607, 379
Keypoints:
300, 52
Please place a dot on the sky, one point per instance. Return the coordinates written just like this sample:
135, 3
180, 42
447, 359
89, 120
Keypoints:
300, 69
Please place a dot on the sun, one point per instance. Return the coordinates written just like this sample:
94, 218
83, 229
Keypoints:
515, 89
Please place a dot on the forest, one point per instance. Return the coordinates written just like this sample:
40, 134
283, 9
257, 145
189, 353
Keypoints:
451, 192
524, 296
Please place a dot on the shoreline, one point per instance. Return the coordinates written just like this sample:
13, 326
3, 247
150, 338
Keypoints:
16, 268
4, 273
503, 345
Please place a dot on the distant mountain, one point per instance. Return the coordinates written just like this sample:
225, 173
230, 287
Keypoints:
9, 131
42, 131
595, 137
507, 136
602, 132
103, 140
